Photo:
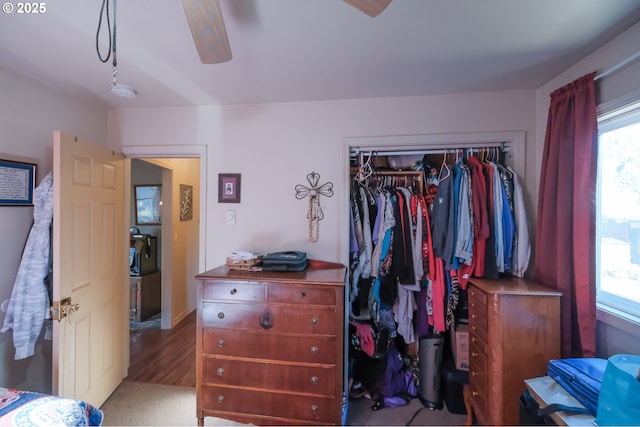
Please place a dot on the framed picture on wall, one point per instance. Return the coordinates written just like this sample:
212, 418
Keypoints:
148, 200
17, 182
228, 188
186, 202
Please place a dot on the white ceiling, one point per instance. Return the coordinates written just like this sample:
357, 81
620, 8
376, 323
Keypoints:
310, 50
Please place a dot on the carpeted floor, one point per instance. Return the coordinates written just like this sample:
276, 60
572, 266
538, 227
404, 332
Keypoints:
145, 404
413, 414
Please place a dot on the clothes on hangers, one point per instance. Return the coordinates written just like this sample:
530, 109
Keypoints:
421, 249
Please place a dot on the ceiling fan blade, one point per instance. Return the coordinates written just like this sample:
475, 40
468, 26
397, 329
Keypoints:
372, 8
207, 29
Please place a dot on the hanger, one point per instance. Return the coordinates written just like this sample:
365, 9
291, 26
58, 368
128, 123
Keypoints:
364, 170
444, 167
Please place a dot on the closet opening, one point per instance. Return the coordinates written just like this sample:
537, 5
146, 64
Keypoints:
411, 254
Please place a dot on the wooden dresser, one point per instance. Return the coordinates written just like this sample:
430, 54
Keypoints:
514, 330
270, 345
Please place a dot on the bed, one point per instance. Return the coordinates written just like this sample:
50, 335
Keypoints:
25, 408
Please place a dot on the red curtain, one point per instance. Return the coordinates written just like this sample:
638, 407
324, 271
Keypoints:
565, 232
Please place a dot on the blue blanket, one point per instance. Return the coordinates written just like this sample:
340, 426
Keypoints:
582, 377
24, 408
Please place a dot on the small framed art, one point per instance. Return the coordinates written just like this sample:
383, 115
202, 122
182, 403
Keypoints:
228, 188
186, 202
17, 182
148, 200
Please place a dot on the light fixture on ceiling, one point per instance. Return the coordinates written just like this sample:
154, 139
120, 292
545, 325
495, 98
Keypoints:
117, 89
123, 91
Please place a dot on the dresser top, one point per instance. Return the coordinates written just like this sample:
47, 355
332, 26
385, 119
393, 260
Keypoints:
316, 272
513, 286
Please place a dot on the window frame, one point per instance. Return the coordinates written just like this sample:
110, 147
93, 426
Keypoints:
612, 309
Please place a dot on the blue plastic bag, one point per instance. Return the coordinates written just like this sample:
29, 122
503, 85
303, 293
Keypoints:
619, 399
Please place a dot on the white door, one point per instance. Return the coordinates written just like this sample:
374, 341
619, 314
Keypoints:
89, 266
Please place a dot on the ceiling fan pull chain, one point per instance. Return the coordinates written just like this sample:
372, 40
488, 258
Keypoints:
115, 60
105, 7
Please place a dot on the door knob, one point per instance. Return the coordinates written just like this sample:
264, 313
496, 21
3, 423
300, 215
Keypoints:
63, 308
69, 308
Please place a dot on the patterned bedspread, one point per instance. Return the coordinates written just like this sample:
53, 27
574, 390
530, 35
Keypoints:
24, 408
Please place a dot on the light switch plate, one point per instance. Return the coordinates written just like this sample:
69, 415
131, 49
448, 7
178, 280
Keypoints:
231, 217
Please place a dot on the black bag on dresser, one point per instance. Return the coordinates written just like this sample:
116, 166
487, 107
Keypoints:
285, 261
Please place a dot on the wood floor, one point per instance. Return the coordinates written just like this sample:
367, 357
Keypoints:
165, 356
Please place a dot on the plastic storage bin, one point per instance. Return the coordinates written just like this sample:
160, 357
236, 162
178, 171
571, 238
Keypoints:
453, 380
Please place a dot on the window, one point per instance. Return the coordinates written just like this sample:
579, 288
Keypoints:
618, 213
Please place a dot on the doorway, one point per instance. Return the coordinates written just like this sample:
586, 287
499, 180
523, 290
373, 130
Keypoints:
179, 244
146, 241
178, 235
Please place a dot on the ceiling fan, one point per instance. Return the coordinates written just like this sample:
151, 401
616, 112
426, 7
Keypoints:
210, 35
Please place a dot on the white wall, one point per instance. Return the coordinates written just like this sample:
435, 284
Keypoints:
275, 146
29, 114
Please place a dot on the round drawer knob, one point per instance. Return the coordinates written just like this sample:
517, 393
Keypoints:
266, 320
221, 315
220, 342
220, 371
220, 398
474, 373
474, 339
315, 380
303, 294
314, 408
315, 350
233, 291
315, 320
474, 393
474, 354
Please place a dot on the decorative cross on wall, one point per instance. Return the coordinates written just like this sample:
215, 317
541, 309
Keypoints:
314, 214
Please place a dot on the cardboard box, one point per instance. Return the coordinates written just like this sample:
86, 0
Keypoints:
460, 346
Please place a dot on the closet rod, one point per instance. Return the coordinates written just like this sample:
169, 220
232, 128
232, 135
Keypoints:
619, 65
355, 151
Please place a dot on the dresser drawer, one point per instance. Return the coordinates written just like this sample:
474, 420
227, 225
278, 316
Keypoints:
478, 317
313, 380
233, 291
479, 400
319, 409
262, 345
478, 367
479, 343
479, 331
477, 296
274, 319
317, 295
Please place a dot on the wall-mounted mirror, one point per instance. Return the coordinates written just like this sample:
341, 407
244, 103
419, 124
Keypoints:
148, 200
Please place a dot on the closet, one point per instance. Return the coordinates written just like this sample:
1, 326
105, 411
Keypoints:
426, 217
